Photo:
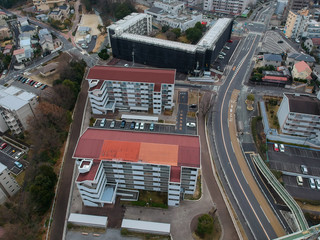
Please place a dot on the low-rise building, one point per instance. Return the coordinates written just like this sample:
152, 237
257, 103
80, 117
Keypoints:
7, 49
23, 21
134, 89
113, 162
316, 72
83, 30
294, 58
8, 185
5, 31
272, 59
20, 55
301, 70
312, 44
299, 115
16, 106
45, 40
56, 15
28, 29
45, 5
280, 76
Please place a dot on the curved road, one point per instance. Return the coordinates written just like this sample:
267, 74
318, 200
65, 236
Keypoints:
253, 214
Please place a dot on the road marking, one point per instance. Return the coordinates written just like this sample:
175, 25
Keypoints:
224, 141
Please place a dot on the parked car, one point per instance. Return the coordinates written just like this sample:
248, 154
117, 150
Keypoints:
230, 41
103, 122
223, 53
3, 146
221, 57
280, 41
18, 164
112, 124
312, 183
137, 126
281, 148
317, 180
133, 125
141, 126
151, 128
299, 180
123, 124
304, 169
276, 147
44, 87
191, 124
18, 155
226, 47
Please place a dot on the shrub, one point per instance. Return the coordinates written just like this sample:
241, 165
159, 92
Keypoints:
205, 225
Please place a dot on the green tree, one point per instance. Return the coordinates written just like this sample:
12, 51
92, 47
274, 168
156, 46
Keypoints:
250, 97
205, 225
165, 28
42, 189
193, 34
124, 9
103, 54
177, 32
200, 26
87, 5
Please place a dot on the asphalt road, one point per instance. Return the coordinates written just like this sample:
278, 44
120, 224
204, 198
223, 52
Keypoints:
57, 226
254, 216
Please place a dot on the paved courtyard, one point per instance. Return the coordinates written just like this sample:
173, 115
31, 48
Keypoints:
272, 43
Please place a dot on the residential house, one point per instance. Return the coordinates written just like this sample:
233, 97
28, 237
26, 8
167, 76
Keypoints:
7, 49
132, 89
83, 31
278, 77
272, 59
5, 31
312, 44
8, 185
114, 162
20, 55
49, 69
23, 21
45, 5
28, 29
301, 70
299, 115
56, 15
45, 40
65, 10
294, 58
42, 17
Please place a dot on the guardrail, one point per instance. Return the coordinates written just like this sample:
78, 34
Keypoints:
286, 197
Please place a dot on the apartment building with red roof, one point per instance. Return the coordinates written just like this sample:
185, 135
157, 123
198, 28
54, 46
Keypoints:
133, 89
114, 162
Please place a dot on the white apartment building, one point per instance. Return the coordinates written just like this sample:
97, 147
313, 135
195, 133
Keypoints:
16, 106
299, 115
312, 29
113, 162
134, 89
234, 7
8, 185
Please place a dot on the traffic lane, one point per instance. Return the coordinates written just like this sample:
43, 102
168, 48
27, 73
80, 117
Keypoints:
301, 192
248, 210
256, 218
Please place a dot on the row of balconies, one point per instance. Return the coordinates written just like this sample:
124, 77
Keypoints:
128, 165
162, 176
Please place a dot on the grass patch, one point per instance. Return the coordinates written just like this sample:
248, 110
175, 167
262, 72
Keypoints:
193, 98
191, 114
215, 234
85, 229
272, 116
168, 112
198, 192
150, 199
20, 178
126, 232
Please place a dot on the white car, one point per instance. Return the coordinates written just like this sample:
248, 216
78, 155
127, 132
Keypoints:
312, 183
191, 124
141, 126
18, 155
299, 180
137, 126
317, 180
281, 148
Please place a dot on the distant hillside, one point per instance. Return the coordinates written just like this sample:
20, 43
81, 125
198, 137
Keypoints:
11, 3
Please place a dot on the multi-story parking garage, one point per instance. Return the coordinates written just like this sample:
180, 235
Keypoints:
129, 41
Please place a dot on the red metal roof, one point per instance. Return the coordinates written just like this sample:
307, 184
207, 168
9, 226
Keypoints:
275, 78
125, 74
18, 51
315, 41
89, 176
175, 174
131, 146
98, 86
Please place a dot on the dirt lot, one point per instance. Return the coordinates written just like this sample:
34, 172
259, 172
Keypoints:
142, 7
62, 60
92, 21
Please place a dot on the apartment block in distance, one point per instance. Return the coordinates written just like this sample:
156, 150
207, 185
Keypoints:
234, 7
299, 115
113, 162
8, 185
134, 89
45, 5
296, 23
16, 106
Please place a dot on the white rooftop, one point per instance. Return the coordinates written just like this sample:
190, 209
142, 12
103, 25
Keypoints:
144, 226
159, 42
84, 219
214, 33
14, 98
2, 167
126, 22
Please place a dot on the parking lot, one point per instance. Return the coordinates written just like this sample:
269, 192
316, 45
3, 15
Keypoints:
220, 64
273, 42
10, 154
289, 162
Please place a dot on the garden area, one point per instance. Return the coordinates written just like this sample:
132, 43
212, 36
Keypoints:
206, 226
256, 75
272, 107
150, 199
